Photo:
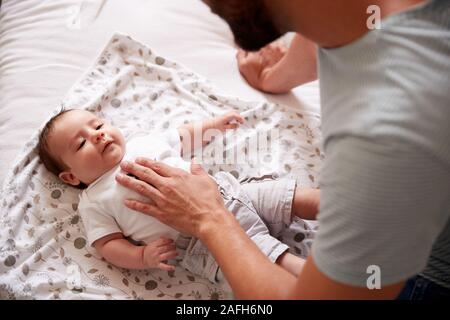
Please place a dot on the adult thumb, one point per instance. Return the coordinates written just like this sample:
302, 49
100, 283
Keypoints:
196, 167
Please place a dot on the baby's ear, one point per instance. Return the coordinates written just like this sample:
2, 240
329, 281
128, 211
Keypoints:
69, 178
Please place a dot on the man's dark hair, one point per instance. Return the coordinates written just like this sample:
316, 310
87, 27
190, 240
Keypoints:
249, 20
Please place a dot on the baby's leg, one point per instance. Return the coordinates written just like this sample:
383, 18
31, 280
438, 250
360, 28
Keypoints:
277, 201
290, 263
266, 206
306, 203
273, 201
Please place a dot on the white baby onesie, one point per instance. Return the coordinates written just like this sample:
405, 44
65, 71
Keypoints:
102, 203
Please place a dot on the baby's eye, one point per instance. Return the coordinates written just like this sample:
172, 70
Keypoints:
99, 126
81, 145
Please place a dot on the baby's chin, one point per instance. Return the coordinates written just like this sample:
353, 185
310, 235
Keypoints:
115, 157
110, 162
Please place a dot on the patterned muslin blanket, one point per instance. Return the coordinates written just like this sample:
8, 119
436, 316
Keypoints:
43, 251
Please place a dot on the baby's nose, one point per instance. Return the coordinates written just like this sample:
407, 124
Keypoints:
100, 136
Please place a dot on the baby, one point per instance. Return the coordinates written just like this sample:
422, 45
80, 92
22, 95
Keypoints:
85, 152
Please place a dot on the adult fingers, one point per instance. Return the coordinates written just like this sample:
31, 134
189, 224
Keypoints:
247, 60
143, 172
241, 54
196, 167
143, 207
139, 186
250, 66
160, 168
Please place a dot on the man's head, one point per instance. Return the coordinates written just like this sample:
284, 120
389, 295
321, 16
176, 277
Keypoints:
79, 147
249, 20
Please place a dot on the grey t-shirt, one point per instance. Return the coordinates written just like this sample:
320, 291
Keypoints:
386, 178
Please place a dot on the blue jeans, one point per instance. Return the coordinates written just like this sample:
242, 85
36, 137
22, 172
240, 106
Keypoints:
420, 288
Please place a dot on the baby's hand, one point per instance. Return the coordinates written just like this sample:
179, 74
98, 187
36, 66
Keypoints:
230, 120
158, 252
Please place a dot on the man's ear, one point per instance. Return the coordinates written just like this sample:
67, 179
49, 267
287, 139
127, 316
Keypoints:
69, 178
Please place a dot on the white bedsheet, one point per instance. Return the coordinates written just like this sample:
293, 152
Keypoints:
46, 45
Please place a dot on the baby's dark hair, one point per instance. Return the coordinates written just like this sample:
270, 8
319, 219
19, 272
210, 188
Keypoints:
54, 165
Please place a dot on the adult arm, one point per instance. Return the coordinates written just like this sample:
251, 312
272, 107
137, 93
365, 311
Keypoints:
211, 222
274, 70
247, 270
191, 203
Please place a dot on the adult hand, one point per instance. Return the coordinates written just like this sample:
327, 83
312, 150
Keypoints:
187, 202
256, 67
275, 69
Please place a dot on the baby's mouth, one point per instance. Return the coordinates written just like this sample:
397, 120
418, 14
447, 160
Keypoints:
107, 144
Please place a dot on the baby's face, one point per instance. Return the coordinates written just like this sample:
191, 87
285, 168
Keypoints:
89, 146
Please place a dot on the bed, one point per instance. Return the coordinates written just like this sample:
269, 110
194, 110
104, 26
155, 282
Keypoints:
45, 49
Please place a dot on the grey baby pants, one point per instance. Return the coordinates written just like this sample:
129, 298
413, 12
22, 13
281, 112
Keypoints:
263, 209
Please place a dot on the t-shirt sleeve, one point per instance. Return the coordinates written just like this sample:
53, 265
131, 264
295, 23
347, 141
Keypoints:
383, 203
97, 223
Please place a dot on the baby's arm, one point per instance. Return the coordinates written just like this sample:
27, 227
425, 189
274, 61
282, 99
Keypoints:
187, 132
120, 252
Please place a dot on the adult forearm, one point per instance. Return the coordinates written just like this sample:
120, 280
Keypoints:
245, 267
192, 204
